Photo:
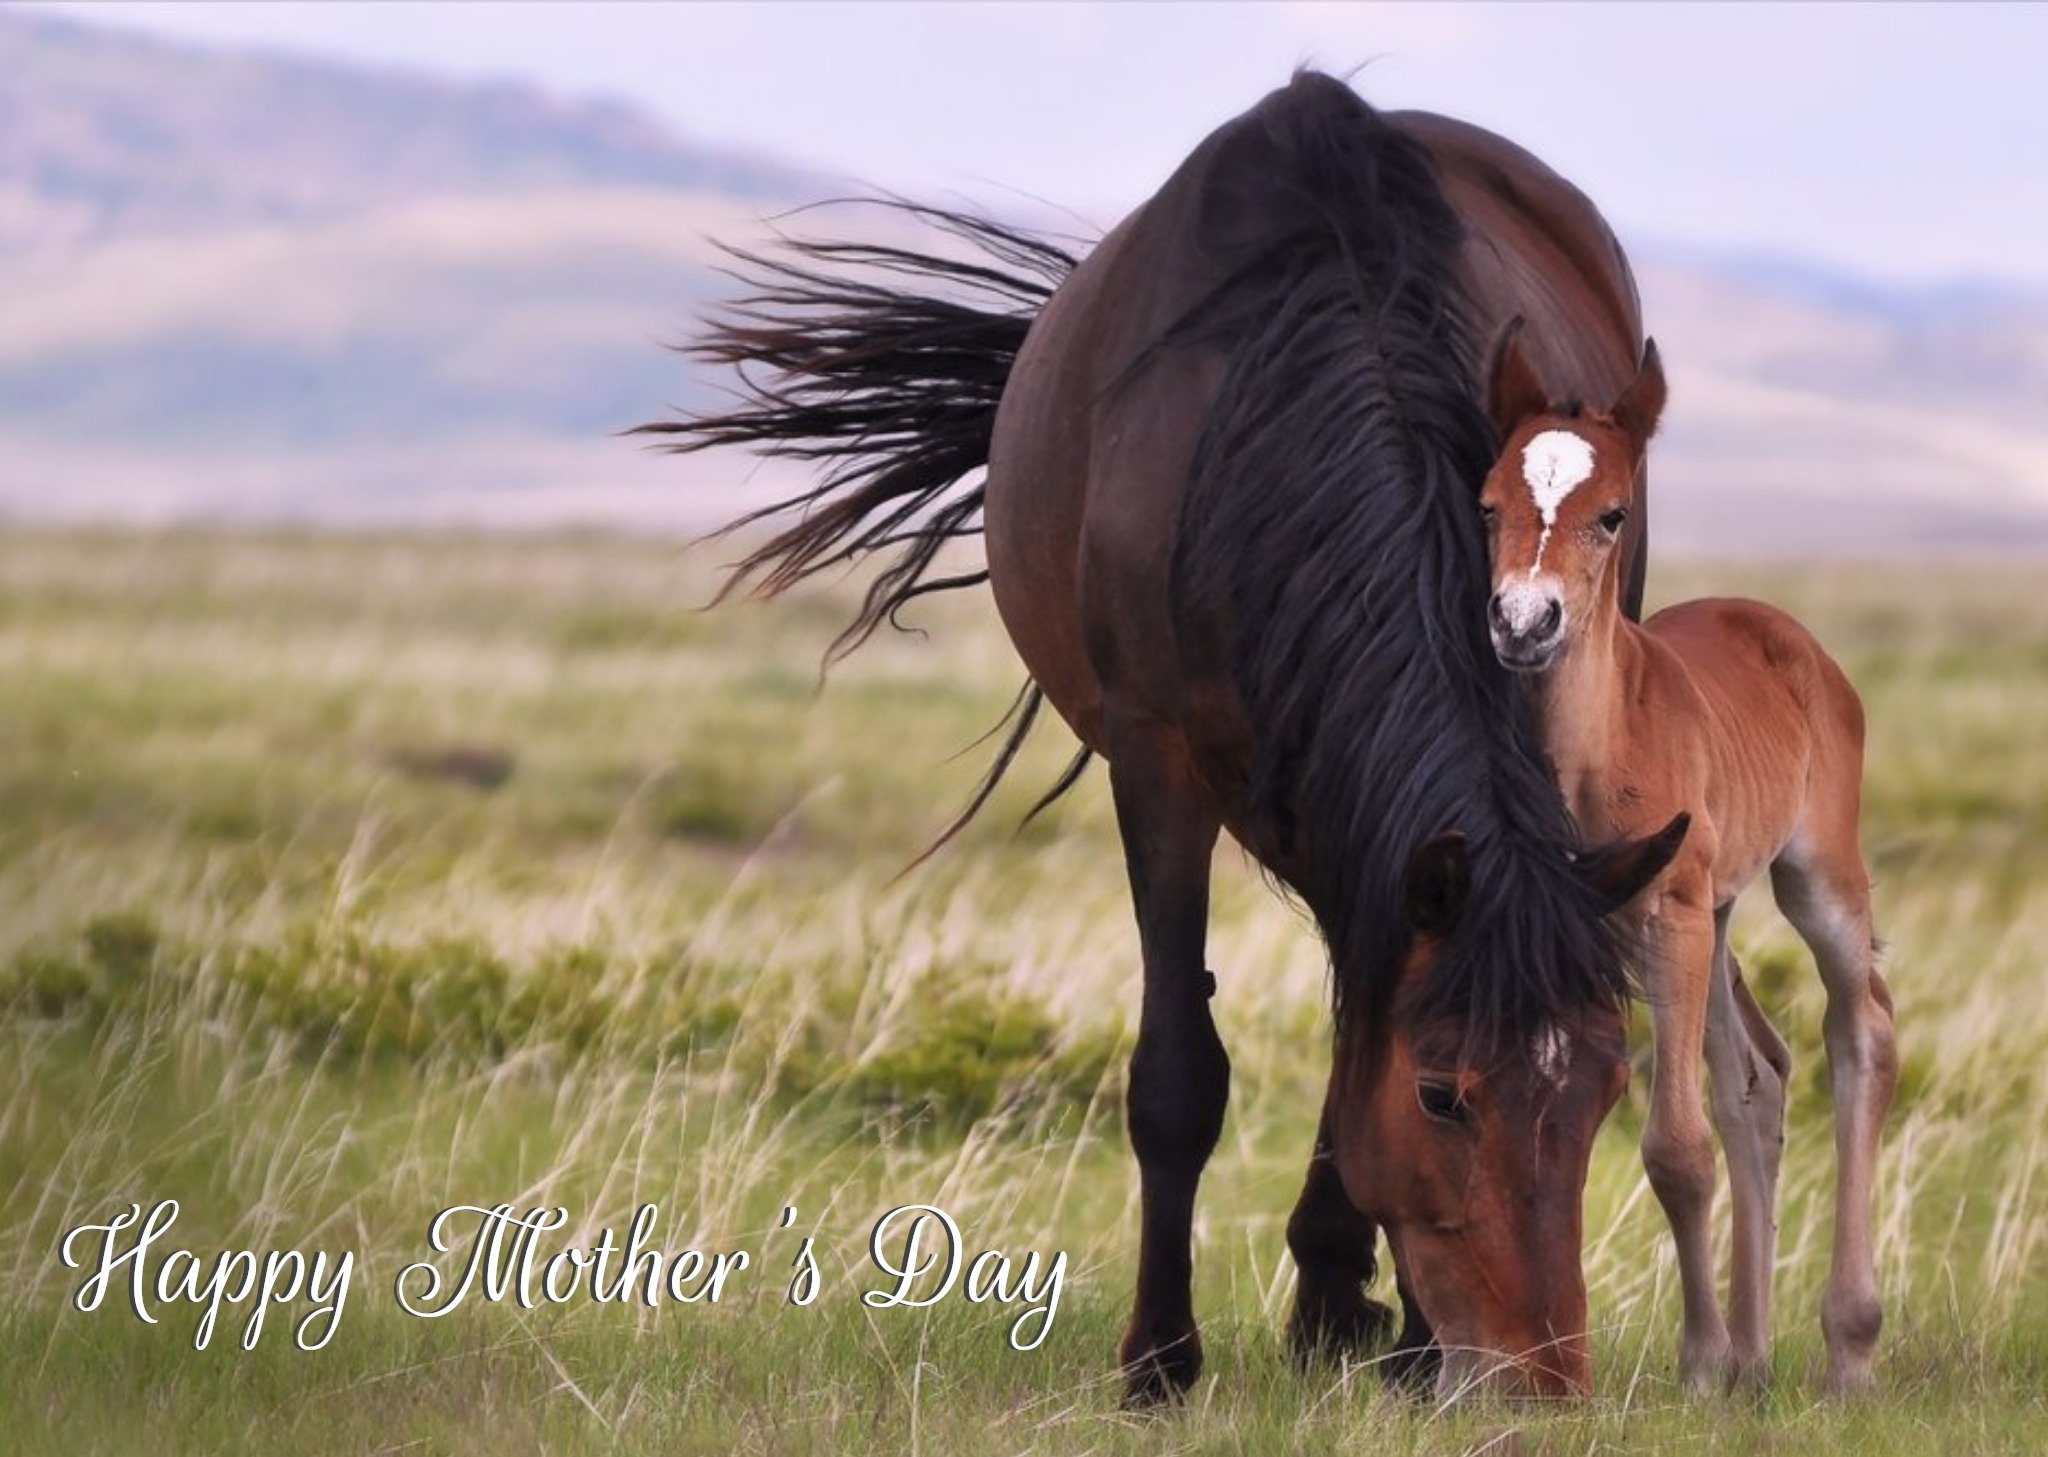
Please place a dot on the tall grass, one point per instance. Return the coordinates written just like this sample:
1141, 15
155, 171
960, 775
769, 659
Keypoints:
342, 880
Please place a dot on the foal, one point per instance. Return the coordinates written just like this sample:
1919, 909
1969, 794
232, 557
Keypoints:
1730, 710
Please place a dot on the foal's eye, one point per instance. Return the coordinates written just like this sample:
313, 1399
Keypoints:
1441, 1100
1610, 521
1488, 514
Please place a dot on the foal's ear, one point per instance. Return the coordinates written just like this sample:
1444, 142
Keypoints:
1641, 405
1618, 872
1438, 880
1513, 390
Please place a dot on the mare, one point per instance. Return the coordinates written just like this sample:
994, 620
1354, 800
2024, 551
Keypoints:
1231, 459
1728, 710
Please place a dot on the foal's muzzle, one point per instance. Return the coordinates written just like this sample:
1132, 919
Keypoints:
1527, 626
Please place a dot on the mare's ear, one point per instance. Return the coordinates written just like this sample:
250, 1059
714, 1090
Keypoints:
1618, 872
1438, 880
1513, 390
1641, 405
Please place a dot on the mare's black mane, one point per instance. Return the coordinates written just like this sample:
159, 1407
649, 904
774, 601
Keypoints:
1330, 540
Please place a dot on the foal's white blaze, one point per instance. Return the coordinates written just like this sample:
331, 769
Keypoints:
1554, 464
1551, 1050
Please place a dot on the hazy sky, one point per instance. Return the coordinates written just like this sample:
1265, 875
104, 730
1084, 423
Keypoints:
1901, 142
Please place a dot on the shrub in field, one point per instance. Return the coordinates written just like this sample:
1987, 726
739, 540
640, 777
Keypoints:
972, 1052
451, 1000
957, 1055
111, 962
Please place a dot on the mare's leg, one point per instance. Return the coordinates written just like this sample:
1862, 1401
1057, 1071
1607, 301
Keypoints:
1416, 1358
1332, 1244
1179, 1075
1678, 1147
1824, 891
1747, 1061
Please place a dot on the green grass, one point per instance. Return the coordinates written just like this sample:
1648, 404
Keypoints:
345, 879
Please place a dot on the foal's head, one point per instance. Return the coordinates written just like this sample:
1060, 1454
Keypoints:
1555, 503
1469, 1143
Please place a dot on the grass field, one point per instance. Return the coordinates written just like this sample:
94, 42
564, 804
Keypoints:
344, 880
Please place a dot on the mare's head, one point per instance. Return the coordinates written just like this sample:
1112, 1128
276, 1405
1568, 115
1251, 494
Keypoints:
1555, 503
1468, 1138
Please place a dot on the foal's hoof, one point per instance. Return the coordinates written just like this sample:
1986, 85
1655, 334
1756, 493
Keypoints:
1749, 1376
1847, 1383
1706, 1367
1157, 1372
1331, 1327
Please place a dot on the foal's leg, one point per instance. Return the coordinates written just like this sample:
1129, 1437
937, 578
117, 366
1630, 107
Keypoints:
1678, 1147
1748, 1062
1332, 1244
1825, 892
1179, 1075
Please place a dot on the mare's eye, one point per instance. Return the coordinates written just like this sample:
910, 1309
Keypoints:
1441, 1101
1610, 521
1488, 514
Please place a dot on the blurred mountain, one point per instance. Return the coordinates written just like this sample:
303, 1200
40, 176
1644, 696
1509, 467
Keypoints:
1813, 410
109, 135
239, 286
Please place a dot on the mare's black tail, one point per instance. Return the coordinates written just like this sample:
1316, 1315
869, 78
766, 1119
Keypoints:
884, 365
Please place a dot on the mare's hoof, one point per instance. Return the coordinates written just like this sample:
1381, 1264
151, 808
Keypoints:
1329, 1328
1158, 1372
1412, 1370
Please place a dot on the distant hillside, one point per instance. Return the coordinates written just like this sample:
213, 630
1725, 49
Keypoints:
106, 135
1813, 411
442, 317
1977, 348
237, 286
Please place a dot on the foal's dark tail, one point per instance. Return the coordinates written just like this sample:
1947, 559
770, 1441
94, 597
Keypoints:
883, 364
